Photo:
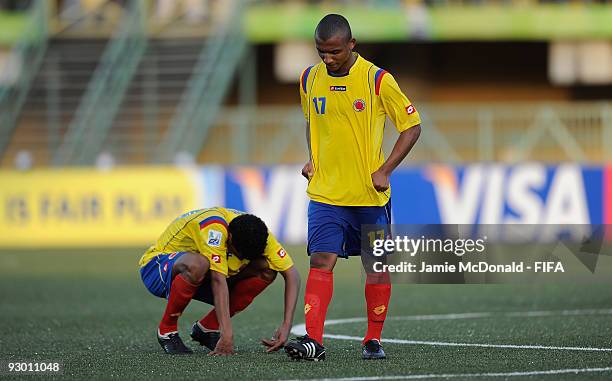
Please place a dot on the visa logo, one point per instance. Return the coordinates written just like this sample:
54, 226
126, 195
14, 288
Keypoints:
500, 194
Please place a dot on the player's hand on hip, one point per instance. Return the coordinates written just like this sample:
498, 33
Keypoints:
277, 341
307, 171
225, 346
380, 180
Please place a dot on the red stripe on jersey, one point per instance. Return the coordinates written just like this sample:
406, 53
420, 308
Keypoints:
378, 80
213, 220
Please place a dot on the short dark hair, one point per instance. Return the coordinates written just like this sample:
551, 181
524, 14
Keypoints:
249, 235
332, 25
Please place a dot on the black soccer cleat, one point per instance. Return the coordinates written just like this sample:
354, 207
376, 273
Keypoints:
172, 344
207, 338
372, 350
305, 348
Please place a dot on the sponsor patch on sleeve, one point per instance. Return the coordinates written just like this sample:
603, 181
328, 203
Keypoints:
410, 110
281, 253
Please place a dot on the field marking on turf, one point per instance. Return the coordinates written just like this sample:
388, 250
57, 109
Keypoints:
465, 375
300, 329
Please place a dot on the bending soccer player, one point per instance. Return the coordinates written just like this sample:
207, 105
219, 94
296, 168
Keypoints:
345, 100
220, 257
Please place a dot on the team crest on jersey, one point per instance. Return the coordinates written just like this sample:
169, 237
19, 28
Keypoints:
216, 258
281, 253
337, 88
214, 238
410, 110
359, 105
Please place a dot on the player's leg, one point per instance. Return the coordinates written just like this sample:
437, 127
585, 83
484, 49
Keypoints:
377, 285
318, 292
377, 295
325, 243
187, 273
244, 288
317, 296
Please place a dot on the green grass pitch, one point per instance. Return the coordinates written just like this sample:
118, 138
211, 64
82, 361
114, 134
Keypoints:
88, 309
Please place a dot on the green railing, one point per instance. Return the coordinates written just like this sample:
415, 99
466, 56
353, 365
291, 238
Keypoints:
88, 130
208, 85
452, 133
25, 58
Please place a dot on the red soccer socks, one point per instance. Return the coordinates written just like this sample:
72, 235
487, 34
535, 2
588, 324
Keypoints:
181, 292
319, 290
241, 295
377, 301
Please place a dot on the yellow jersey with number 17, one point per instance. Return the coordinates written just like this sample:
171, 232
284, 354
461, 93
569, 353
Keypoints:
347, 116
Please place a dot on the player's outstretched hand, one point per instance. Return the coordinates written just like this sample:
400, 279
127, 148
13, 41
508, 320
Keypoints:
277, 341
380, 180
307, 171
225, 347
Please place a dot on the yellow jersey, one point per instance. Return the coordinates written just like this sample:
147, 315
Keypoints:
204, 231
346, 115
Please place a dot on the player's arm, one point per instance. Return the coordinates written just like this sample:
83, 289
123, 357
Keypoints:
403, 145
307, 170
407, 122
292, 289
280, 261
225, 346
210, 238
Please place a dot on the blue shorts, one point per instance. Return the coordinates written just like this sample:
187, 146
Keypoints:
157, 278
337, 229
157, 274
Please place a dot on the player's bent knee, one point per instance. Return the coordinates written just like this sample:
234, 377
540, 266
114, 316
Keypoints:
261, 269
193, 266
268, 275
198, 269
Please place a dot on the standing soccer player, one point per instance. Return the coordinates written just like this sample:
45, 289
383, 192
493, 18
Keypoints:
345, 100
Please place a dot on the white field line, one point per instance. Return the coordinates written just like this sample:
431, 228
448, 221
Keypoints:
300, 329
466, 375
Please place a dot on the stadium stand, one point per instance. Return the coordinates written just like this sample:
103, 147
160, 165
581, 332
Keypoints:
145, 94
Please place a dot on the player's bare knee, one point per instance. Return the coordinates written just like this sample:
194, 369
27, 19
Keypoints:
198, 269
268, 275
323, 261
261, 268
378, 278
193, 266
